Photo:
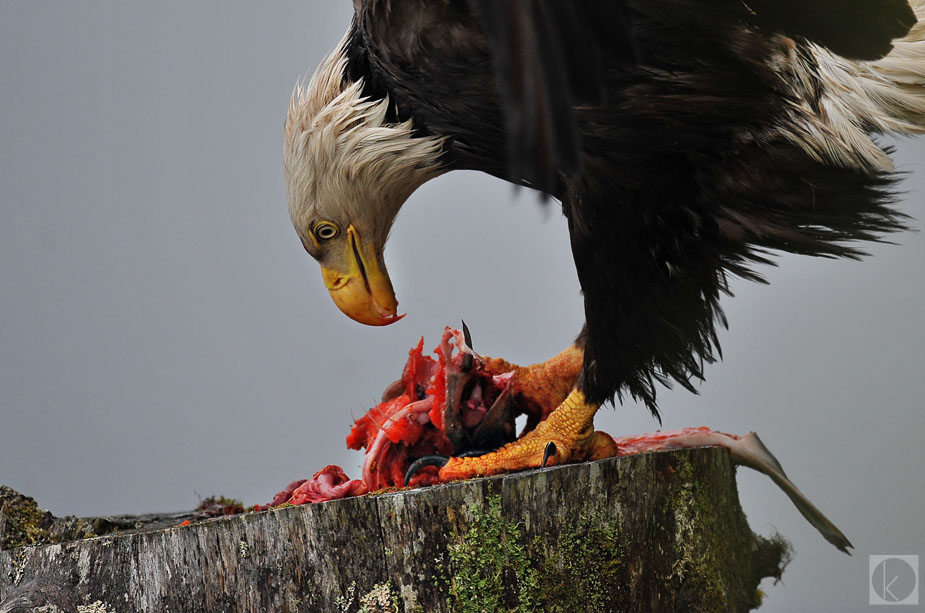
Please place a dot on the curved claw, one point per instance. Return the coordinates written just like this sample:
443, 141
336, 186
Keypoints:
466, 334
438, 460
428, 460
468, 360
548, 453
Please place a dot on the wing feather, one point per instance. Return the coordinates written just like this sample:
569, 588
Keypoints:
549, 56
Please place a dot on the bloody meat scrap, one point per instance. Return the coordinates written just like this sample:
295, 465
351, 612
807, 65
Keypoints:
460, 402
447, 404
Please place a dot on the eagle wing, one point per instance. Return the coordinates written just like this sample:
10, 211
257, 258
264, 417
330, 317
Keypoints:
548, 56
688, 171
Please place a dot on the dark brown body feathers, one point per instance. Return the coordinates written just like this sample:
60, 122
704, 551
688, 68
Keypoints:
661, 127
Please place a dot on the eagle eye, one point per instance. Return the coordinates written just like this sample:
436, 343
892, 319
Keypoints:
325, 230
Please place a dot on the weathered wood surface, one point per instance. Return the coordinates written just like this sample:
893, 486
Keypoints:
22, 522
655, 532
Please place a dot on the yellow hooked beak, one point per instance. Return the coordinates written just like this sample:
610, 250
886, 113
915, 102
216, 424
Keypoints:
364, 292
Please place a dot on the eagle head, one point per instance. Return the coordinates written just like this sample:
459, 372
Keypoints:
348, 172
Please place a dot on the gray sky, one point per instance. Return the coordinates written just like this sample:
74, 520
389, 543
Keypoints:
164, 335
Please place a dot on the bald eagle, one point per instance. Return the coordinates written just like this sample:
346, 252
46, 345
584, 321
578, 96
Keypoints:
686, 140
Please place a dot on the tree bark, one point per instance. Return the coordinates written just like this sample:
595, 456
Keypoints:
653, 532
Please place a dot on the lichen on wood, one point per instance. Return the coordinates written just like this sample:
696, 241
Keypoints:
23, 523
659, 531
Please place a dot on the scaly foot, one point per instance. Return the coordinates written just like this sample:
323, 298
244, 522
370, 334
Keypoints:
570, 429
543, 386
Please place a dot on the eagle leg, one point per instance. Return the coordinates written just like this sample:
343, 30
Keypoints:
542, 387
570, 429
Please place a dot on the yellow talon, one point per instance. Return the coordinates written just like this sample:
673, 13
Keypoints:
570, 427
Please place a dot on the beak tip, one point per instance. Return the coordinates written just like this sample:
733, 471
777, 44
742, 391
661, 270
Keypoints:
376, 320
387, 320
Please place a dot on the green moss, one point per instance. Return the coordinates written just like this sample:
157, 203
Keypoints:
482, 559
699, 551
490, 567
587, 572
584, 567
708, 563
24, 522
220, 506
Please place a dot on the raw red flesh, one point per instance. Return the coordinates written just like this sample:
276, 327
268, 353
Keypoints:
284, 496
672, 439
413, 425
745, 450
415, 421
329, 483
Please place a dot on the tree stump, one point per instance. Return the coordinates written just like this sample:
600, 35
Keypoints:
653, 532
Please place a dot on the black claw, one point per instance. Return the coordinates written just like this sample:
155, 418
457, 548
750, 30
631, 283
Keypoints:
472, 453
548, 452
466, 334
467, 363
428, 460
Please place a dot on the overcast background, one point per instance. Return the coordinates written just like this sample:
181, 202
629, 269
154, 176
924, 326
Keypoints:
163, 336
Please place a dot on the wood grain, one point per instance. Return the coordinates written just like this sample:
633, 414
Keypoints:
653, 532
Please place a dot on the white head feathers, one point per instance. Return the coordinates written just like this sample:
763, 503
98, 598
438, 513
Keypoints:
343, 161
